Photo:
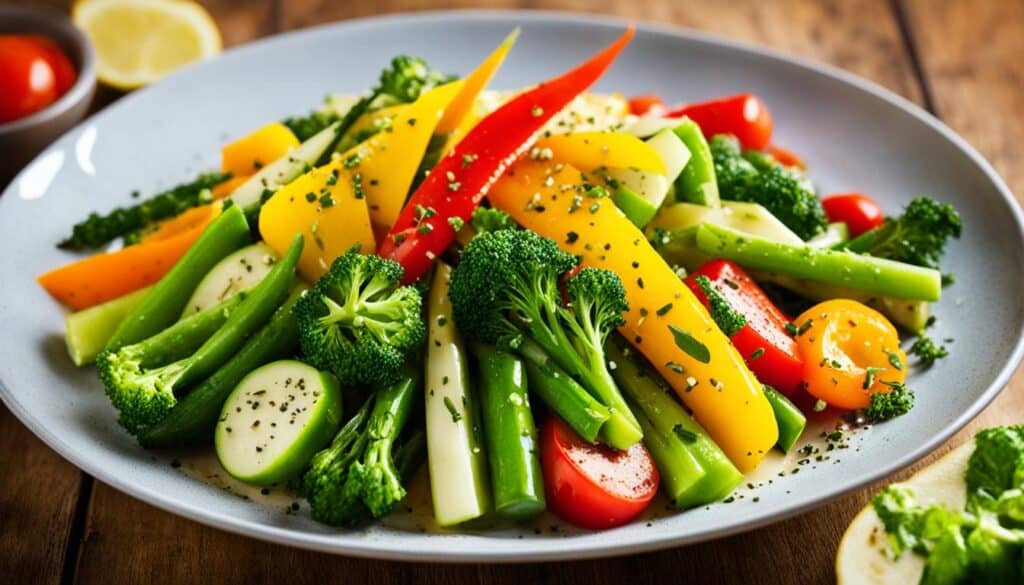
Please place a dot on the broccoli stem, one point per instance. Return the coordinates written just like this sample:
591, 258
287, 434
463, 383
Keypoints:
562, 394
790, 419
164, 304
510, 435
866, 273
678, 441
184, 337
192, 420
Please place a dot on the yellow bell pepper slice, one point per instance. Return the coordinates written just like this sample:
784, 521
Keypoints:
246, 155
665, 321
386, 163
475, 82
375, 121
613, 150
327, 207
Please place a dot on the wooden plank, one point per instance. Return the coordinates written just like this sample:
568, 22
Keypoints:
799, 550
38, 498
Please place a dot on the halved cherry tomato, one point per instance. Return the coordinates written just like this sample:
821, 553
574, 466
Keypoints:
786, 157
27, 81
850, 352
859, 212
648, 103
594, 486
770, 352
743, 115
63, 70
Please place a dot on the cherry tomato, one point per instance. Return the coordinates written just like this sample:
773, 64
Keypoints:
786, 157
27, 81
646, 104
594, 486
63, 70
850, 351
859, 212
743, 115
769, 351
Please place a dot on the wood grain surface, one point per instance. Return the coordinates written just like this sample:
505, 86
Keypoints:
960, 59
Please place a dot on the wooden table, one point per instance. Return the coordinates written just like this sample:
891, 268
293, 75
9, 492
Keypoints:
959, 59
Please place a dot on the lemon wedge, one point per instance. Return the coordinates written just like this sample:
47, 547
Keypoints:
138, 42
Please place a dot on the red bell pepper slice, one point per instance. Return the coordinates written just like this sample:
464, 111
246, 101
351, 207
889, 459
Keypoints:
744, 116
769, 350
460, 180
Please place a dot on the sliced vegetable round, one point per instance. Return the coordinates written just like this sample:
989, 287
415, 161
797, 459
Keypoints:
275, 420
593, 486
850, 352
237, 272
859, 212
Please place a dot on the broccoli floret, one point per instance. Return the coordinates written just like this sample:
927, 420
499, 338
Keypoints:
726, 317
918, 236
785, 193
927, 351
489, 219
505, 290
305, 127
361, 473
889, 405
357, 322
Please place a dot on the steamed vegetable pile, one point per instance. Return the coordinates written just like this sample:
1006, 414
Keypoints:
560, 300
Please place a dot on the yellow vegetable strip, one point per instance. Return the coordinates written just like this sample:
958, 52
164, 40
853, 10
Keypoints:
249, 153
593, 150
475, 82
665, 321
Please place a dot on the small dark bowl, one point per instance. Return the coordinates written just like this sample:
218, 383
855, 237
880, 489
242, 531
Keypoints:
22, 139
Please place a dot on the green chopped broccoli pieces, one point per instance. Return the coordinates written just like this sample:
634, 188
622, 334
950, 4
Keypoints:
889, 405
927, 351
357, 322
756, 178
489, 219
918, 236
728, 319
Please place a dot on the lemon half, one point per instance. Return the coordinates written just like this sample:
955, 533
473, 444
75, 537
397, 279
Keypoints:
138, 42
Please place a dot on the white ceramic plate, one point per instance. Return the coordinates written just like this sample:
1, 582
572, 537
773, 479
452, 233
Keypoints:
854, 135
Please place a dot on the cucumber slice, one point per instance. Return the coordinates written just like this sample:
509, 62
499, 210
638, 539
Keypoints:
89, 330
275, 420
834, 235
750, 218
652, 188
249, 196
236, 273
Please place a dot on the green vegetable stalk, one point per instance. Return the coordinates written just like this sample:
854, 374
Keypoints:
98, 230
164, 304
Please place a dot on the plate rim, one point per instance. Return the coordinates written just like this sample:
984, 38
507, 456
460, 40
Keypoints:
387, 550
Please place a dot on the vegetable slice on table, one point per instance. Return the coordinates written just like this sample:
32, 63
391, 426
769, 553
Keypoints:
89, 330
260, 147
850, 352
664, 321
859, 212
459, 484
510, 434
593, 486
275, 420
192, 420
744, 116
760, 335
461, 179
165, 303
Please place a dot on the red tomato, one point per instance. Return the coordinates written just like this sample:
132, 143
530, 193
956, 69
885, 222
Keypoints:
27, 81
593, 486
786, 157
770, 352
644, 104
859, 212
743, 115
63, 70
